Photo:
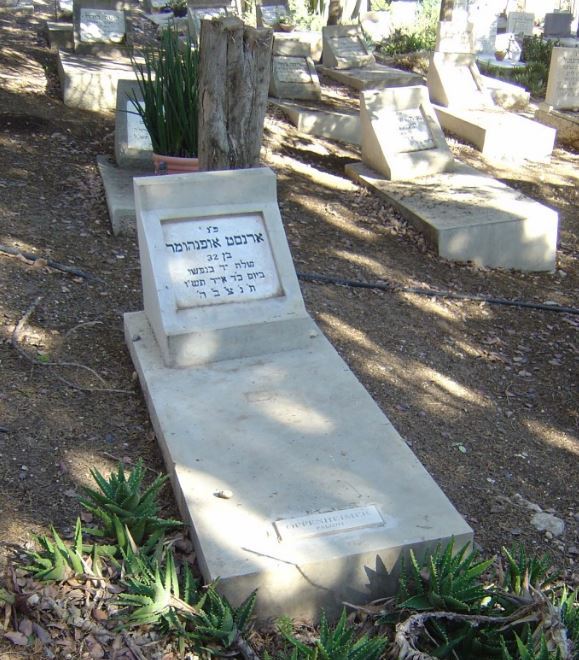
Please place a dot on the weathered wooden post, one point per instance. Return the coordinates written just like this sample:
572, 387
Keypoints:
234, 70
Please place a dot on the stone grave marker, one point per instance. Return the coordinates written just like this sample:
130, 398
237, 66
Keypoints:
344, 47
401, 136
196, 14
521, 22
377, 25
324, 492
294, 78
100, 28
454, 37
268, 15
563, 82
483, 16
558, 25
132, 142
454, 80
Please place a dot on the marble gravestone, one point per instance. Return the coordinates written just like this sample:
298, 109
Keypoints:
132, 142
401, 136
557, 25
563, 82
454, 80
100, 28
268, 15
247, 395
196, 14
483, 17
521, 22
344, 47
294, 78
454, 37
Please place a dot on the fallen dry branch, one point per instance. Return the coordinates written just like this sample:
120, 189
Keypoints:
15, 341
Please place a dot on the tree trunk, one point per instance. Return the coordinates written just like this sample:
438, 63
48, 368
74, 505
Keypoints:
234, 70
446, 8
335, 12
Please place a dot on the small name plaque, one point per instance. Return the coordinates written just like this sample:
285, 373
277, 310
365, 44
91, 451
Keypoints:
220, 260
272, 13
137, 135
102, 25
332, 522
406, 130
291, 70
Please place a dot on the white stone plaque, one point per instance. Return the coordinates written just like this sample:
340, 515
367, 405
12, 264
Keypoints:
405, 131
520, 22
137, 135
332, 522
198, 13
102, 25
272, 13
291, 69
563, 83
348, 47
220, 260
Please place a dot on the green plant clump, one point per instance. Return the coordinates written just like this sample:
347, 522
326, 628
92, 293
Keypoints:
168, 82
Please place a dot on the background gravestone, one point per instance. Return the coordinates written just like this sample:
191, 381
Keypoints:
557, 25
294, 78
521, 22
563, 83
197, 13
401, 136
133, 146
268, 14
454, 80
100, 28
344, 47
454, 37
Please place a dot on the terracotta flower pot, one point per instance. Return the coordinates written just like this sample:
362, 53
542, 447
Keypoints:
174, 164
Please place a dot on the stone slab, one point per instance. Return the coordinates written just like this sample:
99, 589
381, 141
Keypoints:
401, 136
133, 146
91, 83
454, 80
197, 13
468, 216
119, 193
507, 95
521, 22
327, 498
563, 83
565, 122
373, 76
100, 28
59, 35
454, 37
268, 14
339, 126
294, 78
557, 24
499, 134
298, 44
344, 47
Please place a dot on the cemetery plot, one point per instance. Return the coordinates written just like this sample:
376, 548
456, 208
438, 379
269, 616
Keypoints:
294, 78
101, 26
344, 47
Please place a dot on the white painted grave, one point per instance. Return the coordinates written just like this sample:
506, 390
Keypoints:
401, 137
482, 16
454, 80
344, 47
563, 82
454, 36
520, 22
269, 15
102, 26
325, 495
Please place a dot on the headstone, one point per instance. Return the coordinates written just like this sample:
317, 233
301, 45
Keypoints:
377, 25
557, 25
294, 78
196, 14
454, 80
507, 43
521, 22
298, 44
401, 136
325, 495
372, 76
454, 37
133, 146
483, 15
268, 15
563, 82
344, 47
100, 28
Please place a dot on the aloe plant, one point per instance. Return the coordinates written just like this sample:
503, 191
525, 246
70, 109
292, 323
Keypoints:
122, 504
337, 643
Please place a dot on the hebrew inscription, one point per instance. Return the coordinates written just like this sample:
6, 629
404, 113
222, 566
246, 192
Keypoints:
220, 260
405, 131
137, 136
102, 25
333, 522
272, 13
348, 47
291, 70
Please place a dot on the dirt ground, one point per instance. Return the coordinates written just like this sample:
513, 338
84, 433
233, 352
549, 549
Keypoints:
484, 394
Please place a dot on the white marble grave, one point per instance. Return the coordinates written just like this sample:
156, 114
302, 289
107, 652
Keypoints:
100, 28
344, 47
401, 136
326, 498
454, 80
133, 146
294, 78
563, 83
521, 22
454, 36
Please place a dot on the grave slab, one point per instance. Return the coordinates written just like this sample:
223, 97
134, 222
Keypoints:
454, 37
454, 80
294, 78
100, 28
60, 35
269, 13
118, 185
373, 76
401, 136
468, 216
298, 44
340, 126
564, 121
506, 95
521, 22
563, 82
344, 47
91, 83
498, 133
326, 496
133, 146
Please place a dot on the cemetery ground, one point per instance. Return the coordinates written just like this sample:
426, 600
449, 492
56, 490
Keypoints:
485, 394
